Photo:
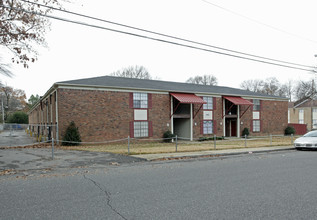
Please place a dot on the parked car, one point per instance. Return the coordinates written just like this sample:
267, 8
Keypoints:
308, 141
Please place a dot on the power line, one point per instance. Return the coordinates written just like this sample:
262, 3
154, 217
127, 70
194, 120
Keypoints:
259, 22
166, 35
155, 39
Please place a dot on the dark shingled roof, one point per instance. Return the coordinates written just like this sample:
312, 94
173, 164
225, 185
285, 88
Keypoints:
157, 85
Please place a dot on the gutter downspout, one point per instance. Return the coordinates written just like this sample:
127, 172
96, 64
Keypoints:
56, 115
191, 122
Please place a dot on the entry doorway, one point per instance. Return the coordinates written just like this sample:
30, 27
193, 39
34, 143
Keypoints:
231, 127
182, 127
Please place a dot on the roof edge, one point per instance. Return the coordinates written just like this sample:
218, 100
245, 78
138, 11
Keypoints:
258, 96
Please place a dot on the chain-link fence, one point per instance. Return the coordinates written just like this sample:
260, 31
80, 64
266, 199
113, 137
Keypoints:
14, 135
180, 144
28, 135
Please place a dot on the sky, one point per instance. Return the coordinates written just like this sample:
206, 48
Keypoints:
284, 30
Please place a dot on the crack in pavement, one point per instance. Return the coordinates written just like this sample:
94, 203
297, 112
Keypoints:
108, 196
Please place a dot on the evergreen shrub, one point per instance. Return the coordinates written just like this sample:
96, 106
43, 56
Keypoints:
72, 136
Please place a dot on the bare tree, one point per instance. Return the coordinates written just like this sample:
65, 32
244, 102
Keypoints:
253, 85
21, 28
269, 86
138, 72
203, 80
304, 89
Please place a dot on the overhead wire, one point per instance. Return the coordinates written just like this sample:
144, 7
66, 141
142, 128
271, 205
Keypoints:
154, 39
166, 35
259, 22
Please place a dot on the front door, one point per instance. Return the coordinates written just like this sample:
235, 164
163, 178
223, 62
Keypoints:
231, 127
234, 128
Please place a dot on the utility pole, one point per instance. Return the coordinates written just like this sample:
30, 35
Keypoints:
312, 102
2, 109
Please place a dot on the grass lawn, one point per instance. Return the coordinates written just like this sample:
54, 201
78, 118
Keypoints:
146, 147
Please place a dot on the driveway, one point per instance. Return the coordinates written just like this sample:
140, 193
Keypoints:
33, 160
15, 138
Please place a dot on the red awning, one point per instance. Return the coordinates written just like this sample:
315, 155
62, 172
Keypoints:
188, 98
238, 100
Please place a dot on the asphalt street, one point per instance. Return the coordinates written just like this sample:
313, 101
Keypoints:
275, 185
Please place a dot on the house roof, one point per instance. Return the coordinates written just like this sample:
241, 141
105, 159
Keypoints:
307, 102
158, 85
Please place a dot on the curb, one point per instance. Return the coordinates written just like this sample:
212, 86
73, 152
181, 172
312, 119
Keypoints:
186, 157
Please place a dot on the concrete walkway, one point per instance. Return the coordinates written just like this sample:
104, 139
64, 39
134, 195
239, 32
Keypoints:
213, 153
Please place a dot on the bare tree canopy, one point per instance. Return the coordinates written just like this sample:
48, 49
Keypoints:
203, 80
138, 72
20, 31
253, 85
304, 89
269, 86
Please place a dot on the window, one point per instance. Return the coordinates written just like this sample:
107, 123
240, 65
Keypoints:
256, 126
256, 105
314, 123
209, 101
141, 129
301, 116
140, 100
207, 127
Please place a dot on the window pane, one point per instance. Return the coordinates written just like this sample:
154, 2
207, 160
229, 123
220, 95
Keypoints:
141, 129
207, 127
140, 100
209, 101
256, 126
256, 105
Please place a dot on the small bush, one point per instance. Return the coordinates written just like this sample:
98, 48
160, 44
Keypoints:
210, 138
289, 130
168, 136
245, 132
71, 134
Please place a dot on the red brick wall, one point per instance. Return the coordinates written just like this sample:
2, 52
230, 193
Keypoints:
44, 116
273, 116
217, 116
105, 115
159, 114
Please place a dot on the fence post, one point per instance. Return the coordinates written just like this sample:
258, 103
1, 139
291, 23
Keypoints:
176, 143
52, 148
271, 140
292, 140
128, 144
245, 140
214, 142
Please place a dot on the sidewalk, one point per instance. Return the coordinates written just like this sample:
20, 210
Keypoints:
212, 153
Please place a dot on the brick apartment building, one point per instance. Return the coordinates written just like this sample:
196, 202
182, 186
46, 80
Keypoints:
109, 108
